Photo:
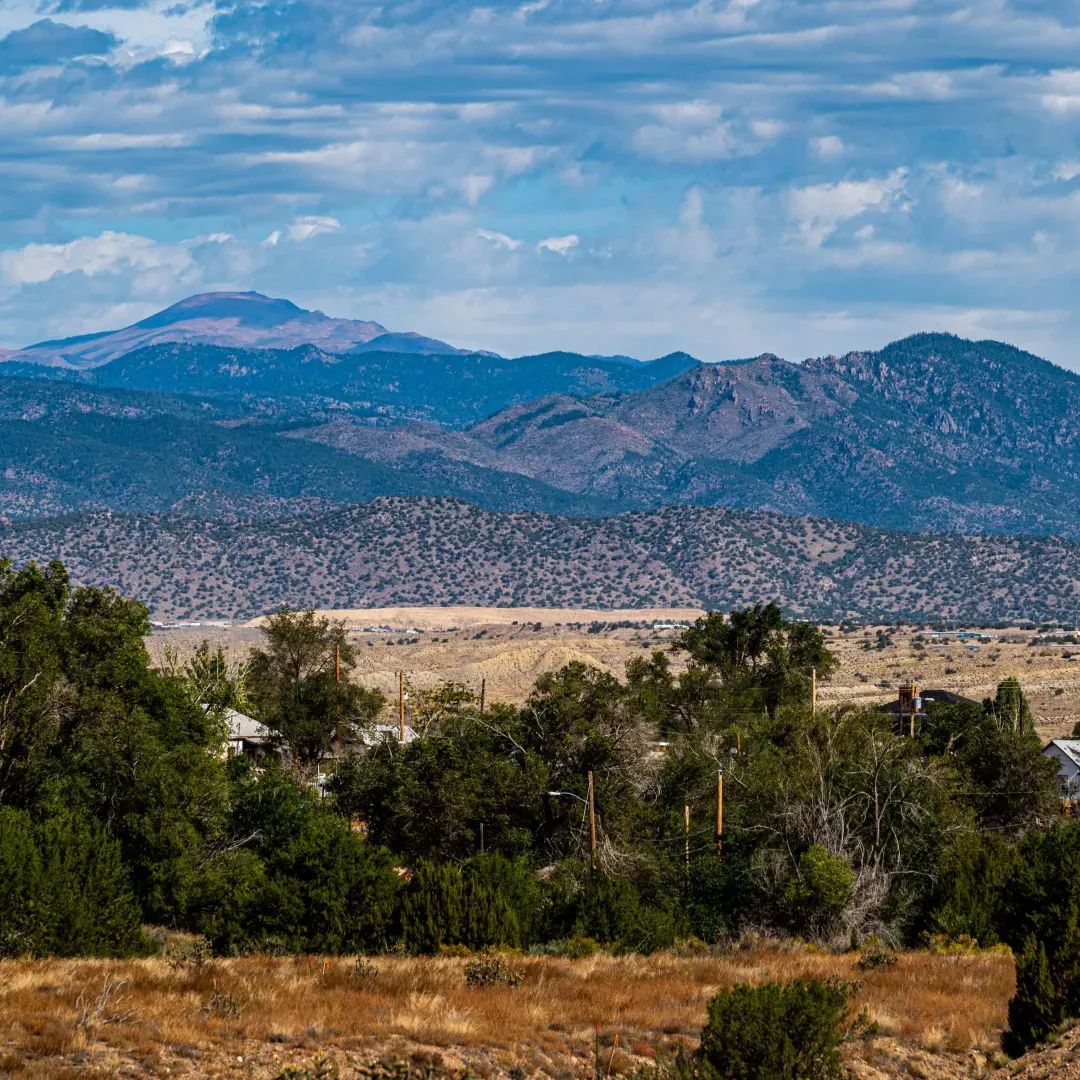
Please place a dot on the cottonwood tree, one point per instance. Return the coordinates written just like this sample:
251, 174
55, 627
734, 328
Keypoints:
294, 688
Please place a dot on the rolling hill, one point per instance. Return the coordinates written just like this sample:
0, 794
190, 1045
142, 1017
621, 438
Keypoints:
438, 551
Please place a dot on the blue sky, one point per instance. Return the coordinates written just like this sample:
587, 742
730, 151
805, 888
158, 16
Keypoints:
633, 176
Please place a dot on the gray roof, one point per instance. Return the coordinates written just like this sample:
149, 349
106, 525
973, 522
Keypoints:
1069, 747
244, 727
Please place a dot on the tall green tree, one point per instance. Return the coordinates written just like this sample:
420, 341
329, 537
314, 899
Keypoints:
293, 685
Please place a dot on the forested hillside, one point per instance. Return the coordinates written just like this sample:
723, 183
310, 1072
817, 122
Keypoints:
437, 551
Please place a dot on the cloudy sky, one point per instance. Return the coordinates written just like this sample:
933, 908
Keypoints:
635, 176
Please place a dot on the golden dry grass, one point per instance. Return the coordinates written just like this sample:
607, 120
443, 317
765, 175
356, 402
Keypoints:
250, 1016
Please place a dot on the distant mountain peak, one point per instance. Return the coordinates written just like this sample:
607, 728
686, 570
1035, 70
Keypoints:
248, 308
247, 320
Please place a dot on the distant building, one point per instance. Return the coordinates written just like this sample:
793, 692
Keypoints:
1066, 752
247, 736
252, 739
909, 708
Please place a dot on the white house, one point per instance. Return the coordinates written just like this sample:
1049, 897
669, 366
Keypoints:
1066, 752
246, 736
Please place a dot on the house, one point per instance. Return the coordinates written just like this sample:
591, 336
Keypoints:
1067, 754
909, 708
247, 736
382, 732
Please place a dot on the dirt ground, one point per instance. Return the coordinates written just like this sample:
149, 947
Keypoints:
936, 1016
507, 648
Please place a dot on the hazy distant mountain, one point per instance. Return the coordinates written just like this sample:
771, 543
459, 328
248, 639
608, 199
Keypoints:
445, 388
241, 320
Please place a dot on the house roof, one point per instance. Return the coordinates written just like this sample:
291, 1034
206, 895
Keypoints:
941, 697
244, 727
1069, 747
382, 731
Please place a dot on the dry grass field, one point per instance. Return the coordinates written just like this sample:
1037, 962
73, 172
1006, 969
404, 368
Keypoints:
937, 1016
508, 648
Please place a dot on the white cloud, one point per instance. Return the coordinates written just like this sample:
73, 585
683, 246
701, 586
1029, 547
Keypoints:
304, 228
119, 140
499, 239
820, 209
90, 255
560, 245
827, 147
272, 239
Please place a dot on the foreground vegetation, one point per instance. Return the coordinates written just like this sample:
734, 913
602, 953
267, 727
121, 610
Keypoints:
119, 807
146, 1016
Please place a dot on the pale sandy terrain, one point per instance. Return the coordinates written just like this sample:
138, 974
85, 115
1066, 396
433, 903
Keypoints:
508, 650
446, 618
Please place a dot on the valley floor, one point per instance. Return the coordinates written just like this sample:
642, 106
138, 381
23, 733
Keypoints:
937, 1016
505, 649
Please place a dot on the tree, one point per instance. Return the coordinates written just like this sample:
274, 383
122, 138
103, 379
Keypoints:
1000, 771
756, 649
429, 799
1011, 710
294, 689
1036, 1009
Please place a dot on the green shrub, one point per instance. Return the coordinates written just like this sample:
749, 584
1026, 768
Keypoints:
875, 957
1037, 1009
609, 910
64, 890
442, 906
776, 1032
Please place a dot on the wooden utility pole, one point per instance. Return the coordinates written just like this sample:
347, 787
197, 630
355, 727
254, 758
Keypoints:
481, 838
719, 809
686, 814
813, 691
592, 821
483, 689
337, 662
401, 707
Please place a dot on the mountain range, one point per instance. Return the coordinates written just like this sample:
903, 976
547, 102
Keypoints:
930, 433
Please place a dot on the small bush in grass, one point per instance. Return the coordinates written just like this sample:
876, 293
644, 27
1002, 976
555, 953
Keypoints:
363, 970
491, 971
776, 1031
876, 955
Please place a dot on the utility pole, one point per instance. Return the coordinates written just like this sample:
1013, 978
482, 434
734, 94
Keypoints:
813, 691
401, 707
719, 809
592, 821
686, 814
483, 688
481, 838
337, 662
